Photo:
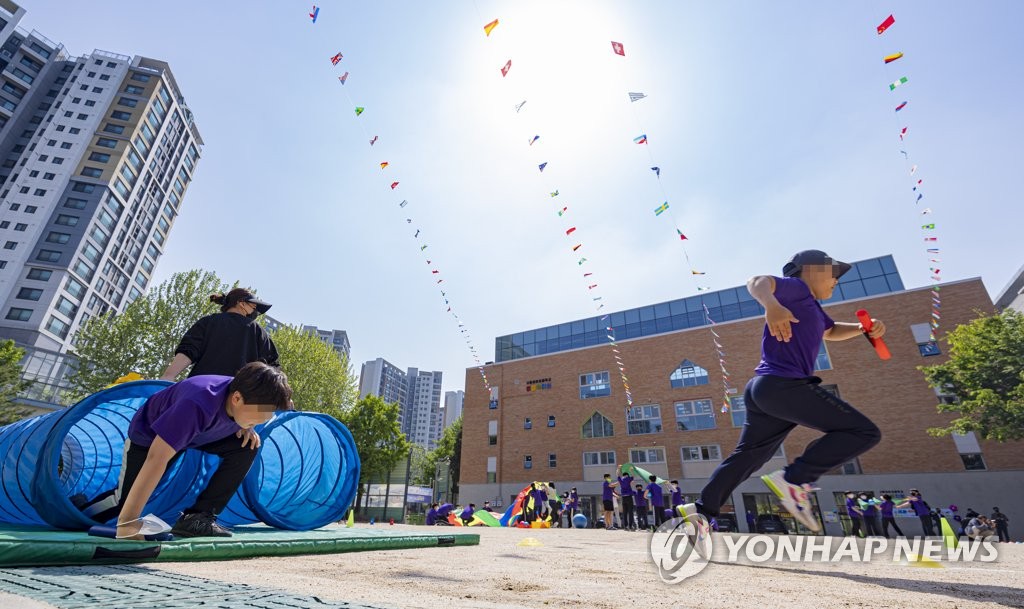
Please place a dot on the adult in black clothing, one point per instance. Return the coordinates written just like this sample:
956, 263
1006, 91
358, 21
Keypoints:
224, 342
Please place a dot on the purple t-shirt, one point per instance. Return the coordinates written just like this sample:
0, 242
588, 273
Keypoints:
657, 495
677, 497
606, 491
640, 501
851, 503
796, 358
870, 510
626, 486
188, 414
920, 507
574, 500
887, 507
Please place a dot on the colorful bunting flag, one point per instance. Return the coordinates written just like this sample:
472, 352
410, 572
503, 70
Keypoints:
570, 231
520, 105
893, 57
490, 26
592, 286
582, 260
928, 226
360, 110
564, 209
903, 132
506, 67
337, 58
901, 106
661, 208
885, 24
373, 141
423, 247
343, 78
534, 139
394, 185
618, 49
697, 272
657, 171
901, 81
682, 237
542, 166
913, 170
314, 13
554, 194
384, 164
577, 246
926, 211
403, 204
636, 96
640, 139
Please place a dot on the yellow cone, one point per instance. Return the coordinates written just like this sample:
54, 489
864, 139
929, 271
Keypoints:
530, 542
924, 561
351, 518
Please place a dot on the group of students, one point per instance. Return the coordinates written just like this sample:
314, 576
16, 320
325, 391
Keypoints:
235, 384
864, 511
637, 501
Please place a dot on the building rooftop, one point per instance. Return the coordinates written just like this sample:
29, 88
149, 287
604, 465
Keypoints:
867, 278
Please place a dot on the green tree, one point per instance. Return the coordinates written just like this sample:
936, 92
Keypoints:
143, 338
11, 384
985, 373
449, 451
320, 380
378, 437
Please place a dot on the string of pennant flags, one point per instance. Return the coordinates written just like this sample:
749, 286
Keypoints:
931, 241
385, 170
573, 232
699, 277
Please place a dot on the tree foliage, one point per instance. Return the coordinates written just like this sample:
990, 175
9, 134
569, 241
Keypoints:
11, 384
378, 437
144, 337
985, 373
449, 450
320, 380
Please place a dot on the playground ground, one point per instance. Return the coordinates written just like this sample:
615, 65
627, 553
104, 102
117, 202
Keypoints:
604, 570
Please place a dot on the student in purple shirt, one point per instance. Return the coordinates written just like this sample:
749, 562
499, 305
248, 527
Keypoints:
785, 393
657, 498
887, 518
870, 507
431, 515
467, 514
677, 495
607, 492
572, 504
855, 513
214, 414
921, 510
641, 508
626, 491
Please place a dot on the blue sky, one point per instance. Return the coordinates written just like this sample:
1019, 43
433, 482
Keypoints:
772, 123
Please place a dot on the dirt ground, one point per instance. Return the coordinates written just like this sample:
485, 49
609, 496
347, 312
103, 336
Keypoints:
606, 570
612, 569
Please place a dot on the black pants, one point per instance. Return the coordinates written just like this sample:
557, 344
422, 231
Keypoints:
234, 465
871, 526
889, 521
641, 517
659, 515
1003, 530
628, 521
926, 525
856, 523
775, 405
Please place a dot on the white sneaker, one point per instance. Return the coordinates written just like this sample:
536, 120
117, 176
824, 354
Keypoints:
701, 540
794, 497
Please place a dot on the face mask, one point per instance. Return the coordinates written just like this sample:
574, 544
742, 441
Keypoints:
253, 315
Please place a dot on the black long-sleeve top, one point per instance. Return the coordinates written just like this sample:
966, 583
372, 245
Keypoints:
223, 343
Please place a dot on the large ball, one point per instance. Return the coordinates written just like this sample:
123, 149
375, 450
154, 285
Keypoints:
579, 521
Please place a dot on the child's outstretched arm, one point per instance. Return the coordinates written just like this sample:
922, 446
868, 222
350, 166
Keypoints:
778, 318
160, 452
844, 331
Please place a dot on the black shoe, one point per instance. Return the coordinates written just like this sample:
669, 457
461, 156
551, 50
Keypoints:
199, 524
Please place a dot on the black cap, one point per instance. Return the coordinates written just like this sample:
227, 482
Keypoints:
261, 307
814, 257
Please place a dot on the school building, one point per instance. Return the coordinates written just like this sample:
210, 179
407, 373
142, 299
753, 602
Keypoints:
557, 411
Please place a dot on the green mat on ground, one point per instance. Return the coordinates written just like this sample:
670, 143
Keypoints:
22, 547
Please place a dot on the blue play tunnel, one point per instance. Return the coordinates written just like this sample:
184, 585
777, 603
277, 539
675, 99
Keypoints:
304, 477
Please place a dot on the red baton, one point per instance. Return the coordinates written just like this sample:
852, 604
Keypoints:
877, 343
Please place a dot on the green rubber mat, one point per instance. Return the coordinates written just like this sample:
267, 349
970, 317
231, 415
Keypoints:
36, 547
125, 587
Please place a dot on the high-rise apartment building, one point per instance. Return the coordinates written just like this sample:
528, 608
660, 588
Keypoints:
452, 407
418, 393
96, 153
336, 339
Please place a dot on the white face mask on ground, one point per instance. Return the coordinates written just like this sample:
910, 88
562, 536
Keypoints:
150, 524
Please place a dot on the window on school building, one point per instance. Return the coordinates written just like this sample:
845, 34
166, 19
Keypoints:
528, 423
492, 433
595, 385
923, 337
603, 457
823, 362
705, 452
970, 451
528, 462
695, 414
598, 426
738, 410
552, 460
647, 455
551, 420
643, 420
688, 374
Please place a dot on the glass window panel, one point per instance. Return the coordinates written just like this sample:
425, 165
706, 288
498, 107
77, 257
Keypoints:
869, 268
590, 325
632, 316
646, 313
617, 319
662, 310
888, 264
678, 307
647, 328
876, 285
577, 327
894, 281
693, 303
728, 297
853, 290
712, 300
